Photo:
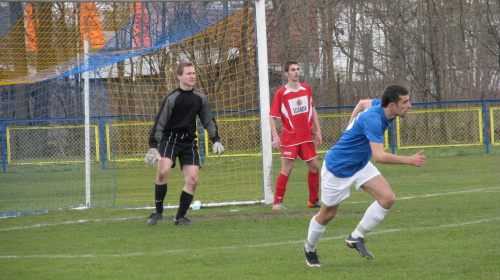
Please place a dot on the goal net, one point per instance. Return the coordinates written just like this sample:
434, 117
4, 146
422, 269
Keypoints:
134, 48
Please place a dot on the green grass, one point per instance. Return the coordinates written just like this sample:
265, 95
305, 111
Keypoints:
444, 225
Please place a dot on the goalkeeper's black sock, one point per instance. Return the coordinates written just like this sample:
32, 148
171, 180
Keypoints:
160, 193
184, 203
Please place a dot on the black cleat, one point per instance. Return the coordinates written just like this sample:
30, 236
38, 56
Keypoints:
312, 258
183, 222
153, 219
359, 245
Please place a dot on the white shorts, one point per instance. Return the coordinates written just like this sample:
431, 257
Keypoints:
334, 190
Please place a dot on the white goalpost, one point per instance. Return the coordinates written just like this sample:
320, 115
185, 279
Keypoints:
86, 104
94, 114
267, 160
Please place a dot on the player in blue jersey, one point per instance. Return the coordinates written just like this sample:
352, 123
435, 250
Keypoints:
348, 163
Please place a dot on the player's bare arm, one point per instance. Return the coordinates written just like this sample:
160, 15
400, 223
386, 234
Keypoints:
274, 133
319, 138
380, 156
361, 106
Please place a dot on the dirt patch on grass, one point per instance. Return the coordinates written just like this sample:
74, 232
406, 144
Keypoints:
252, 216
267, 216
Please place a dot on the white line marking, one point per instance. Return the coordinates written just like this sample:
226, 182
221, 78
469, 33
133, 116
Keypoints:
239, 247
439, 194
124, 219
69, 223
431, 195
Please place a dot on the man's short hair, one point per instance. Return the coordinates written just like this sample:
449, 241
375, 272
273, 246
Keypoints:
392, 93
286, 68
182, 65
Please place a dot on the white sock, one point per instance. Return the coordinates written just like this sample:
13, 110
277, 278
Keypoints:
373, 216
315, 232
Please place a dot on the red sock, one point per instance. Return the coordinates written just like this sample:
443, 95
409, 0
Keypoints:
280, 188
313, 183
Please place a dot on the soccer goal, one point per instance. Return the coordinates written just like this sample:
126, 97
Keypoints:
81, 83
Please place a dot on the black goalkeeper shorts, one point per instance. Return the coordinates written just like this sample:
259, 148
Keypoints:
180, 146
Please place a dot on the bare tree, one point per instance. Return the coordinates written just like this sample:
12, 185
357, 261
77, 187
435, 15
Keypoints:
441, 50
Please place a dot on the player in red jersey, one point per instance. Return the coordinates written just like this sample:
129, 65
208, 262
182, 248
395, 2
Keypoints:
294, 106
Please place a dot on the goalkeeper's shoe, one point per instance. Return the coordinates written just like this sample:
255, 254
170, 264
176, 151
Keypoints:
183, 222
153, 218
359, 245
314, 205
279, 206
312, 258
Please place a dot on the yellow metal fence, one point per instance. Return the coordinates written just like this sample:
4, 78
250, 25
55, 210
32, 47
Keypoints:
127, 141
495, 125
50, 144
440, 128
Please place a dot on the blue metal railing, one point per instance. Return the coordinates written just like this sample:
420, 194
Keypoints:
102, 121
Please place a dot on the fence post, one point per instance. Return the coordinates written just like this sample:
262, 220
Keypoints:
485, 122
3, 136
102, 140
393, 142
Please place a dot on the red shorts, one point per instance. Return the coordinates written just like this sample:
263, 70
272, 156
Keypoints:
306, 151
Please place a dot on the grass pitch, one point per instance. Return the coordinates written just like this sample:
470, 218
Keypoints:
445, 224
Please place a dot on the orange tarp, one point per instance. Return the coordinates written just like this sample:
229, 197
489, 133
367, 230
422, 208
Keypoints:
90, 25
31, 22
141, 26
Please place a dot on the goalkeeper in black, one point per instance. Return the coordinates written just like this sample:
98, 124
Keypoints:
173, 136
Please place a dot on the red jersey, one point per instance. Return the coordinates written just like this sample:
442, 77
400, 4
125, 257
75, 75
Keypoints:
295, 110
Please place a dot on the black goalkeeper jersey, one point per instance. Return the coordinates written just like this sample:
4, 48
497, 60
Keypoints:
178, 113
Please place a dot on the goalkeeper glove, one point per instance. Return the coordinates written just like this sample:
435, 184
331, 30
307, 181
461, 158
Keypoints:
218, 149
152, 156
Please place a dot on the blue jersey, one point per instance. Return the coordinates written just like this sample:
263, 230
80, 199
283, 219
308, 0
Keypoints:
352, 152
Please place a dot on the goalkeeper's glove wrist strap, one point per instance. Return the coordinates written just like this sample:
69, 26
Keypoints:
215, 139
